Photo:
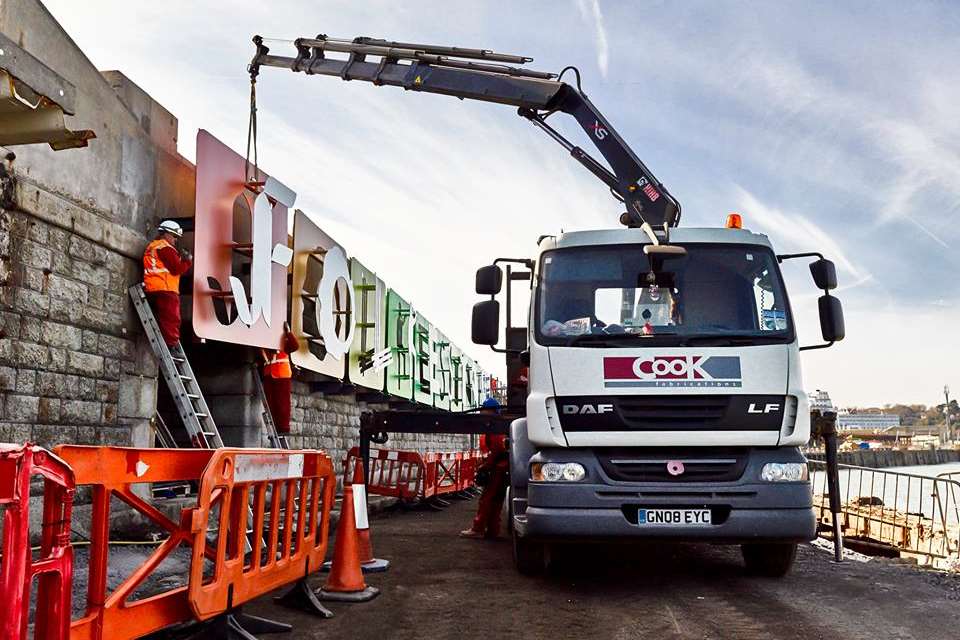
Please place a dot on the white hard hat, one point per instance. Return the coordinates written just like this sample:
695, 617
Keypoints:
169, 226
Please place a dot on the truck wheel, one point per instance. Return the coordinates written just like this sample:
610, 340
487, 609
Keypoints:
771, 560
528, 556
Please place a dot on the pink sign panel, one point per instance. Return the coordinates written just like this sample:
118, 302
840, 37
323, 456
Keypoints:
241, 251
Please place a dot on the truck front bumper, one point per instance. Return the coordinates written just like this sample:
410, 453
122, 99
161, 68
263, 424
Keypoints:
742, 525
742, 510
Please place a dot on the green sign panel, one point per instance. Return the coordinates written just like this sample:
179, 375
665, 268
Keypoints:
399, 331
422, 361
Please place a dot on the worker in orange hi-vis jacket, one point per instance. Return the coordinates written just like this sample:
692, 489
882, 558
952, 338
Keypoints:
278, 380
163, 264
493, 474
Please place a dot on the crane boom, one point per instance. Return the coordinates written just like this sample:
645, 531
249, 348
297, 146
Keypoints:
479, 74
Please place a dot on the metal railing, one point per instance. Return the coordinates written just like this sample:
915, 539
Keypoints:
913, 514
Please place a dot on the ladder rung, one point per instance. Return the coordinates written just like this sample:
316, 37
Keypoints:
209, 433
193, 396
183, 377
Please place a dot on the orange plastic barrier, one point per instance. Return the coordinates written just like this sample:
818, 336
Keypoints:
409, 475
468, 468
398, 474
224, 475
294, 542
54, 564
442, 474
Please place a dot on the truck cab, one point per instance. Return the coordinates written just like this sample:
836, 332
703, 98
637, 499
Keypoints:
664, 396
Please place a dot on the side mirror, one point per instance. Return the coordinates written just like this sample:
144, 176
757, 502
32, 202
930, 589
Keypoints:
485, 325
824, 274
489, 281
831, 316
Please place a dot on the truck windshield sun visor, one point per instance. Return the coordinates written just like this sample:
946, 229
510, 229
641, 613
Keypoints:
615, 295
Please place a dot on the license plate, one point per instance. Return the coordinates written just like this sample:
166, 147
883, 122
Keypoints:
674, 517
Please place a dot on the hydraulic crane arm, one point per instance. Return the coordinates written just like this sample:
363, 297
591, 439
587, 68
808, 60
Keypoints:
478, 74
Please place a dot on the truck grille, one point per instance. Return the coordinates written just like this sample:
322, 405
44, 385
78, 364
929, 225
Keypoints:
671, 413
654, 465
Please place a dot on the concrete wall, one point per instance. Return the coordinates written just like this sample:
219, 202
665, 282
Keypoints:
74, 367
882, 458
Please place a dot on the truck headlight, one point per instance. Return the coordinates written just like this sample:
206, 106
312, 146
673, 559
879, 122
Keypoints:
557, 472
784, 472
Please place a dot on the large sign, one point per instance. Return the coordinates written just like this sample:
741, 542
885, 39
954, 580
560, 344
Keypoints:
350, 324
241, 252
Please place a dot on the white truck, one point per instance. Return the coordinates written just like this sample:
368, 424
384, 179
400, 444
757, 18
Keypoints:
664, 398
659, 372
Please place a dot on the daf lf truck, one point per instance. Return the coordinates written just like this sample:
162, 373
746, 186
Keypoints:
664, 393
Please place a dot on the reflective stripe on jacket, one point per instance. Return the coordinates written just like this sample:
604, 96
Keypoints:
278, 366
156, 275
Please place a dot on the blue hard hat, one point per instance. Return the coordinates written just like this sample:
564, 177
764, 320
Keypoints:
490, 403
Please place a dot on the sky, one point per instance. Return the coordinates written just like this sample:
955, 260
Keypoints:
830, 127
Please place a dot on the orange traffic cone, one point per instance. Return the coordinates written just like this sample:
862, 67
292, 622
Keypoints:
368, 563
345, 582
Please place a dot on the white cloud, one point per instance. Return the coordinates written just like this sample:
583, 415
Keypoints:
592, 15
792, 232
901, 159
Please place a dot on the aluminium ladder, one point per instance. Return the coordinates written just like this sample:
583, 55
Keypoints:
276, 440
179, 377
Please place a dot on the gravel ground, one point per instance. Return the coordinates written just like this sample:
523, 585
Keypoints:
441, 586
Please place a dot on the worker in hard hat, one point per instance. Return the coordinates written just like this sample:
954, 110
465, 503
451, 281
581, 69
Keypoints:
163, 264
278, 379
493, 474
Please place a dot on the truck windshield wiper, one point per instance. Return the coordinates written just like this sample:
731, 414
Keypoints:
594, 339
732, 339
613, 339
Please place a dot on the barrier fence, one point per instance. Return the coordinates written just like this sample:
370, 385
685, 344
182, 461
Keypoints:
300, 488
283, 496
54, 565
909, 513
411, 476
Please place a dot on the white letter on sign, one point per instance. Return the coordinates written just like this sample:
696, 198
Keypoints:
335, 269
264, 254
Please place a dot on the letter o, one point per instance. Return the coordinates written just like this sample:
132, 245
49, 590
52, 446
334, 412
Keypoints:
335, 269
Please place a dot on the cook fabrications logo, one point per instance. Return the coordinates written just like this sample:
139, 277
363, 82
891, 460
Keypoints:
672, 371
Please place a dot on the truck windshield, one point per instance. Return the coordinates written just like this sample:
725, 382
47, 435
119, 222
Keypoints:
716, 294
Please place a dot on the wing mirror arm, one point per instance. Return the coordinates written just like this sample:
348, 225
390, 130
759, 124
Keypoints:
824, 274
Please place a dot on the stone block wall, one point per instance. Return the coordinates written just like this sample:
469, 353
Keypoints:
332, 423
70, 371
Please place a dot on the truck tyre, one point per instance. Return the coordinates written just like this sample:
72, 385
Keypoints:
771, 560
529, 556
